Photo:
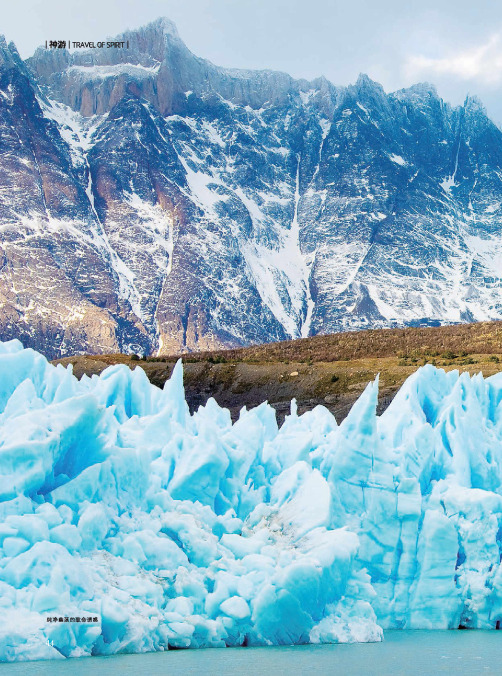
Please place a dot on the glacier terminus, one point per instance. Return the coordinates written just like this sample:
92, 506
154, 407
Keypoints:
174, 530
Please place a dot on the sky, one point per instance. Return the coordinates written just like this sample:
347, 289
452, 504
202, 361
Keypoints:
454, 44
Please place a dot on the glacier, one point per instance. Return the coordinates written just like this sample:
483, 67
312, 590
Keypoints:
175, 530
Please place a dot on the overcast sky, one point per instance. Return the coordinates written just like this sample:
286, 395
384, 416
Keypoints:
455, 44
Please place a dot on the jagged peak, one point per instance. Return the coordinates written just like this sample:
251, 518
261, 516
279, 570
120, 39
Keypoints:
366, 87
162, 31
9, 56
420, 89
147, 44
165, 25
475, 113
9, 49
366, 91
474, 103
322, 83
364, 80
6, 59
13, 49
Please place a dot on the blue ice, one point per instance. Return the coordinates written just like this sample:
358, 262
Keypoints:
176, 530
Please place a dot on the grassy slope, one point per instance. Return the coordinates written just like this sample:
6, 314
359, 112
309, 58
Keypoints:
330, 370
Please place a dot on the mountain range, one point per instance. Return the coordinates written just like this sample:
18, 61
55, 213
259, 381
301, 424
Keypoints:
152, 202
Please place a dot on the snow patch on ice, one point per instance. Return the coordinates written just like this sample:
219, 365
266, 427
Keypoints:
447, 183
397, 159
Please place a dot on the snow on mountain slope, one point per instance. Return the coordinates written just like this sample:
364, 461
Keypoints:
232, 207
173, 530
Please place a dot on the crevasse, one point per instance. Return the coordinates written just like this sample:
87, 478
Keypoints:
179, 530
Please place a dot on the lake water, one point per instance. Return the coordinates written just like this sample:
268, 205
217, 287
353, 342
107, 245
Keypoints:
402, 652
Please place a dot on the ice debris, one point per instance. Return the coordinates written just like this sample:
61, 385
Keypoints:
167, 529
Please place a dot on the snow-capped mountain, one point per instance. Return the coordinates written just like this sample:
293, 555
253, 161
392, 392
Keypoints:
151, 201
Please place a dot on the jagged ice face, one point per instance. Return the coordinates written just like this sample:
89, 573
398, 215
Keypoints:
179, 530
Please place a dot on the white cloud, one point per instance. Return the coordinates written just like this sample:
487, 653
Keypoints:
482, 64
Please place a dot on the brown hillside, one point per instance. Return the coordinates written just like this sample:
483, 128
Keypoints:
430, 342
329, 370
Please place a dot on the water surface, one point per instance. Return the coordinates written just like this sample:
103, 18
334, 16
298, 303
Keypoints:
407, 653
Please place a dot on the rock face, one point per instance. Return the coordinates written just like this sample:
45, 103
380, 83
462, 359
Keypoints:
153, 202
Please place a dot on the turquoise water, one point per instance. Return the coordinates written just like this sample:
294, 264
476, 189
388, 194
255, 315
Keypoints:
405, 653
